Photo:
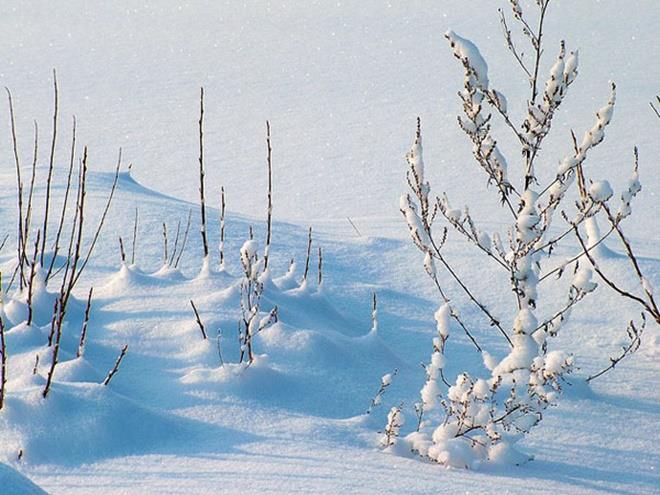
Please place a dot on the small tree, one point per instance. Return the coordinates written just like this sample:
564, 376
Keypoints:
475, 419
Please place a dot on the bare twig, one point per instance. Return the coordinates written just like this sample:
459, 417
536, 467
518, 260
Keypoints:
33, 267
222, 227
654, 108
115, 368
269, 219
309, 252
19, 188
135, 231
28, 214
199, 320
83, 333
649, 307
354, 227
56, 244
58, 318
3, 363
185, 239
201, 173
51, 164
165, 257
176, 243
102, 221
635, 335
122, 253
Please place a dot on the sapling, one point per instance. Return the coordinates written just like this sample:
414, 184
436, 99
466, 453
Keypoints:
479, 419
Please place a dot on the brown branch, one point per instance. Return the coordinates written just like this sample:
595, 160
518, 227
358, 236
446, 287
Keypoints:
456, 318
19, 187
3, 364
122, 253
222, 226
83, 333
33, 266
648, 307
201, 173
165, 256
102, 221
309, 252
114, 370
270, 196
51, 164
65, 203
538, 49
575, 258
635, 335
654, 108
511, 46
633, 260
58, 318
28, 214
493, 321
199, 320
176, 243
185, 239
135, 231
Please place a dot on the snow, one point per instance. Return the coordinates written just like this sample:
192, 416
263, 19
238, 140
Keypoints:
600, 191
342, 84
14, 483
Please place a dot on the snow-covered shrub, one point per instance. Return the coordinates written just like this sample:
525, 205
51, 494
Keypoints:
395, 421
252, 286
478, 418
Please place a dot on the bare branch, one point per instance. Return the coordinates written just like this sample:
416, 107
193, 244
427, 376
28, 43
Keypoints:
115, 368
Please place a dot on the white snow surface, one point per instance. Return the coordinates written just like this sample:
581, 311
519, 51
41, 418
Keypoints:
342, 84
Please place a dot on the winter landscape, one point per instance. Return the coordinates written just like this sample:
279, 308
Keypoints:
329, 247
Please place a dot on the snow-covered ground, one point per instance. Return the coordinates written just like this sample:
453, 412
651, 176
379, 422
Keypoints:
341, 83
